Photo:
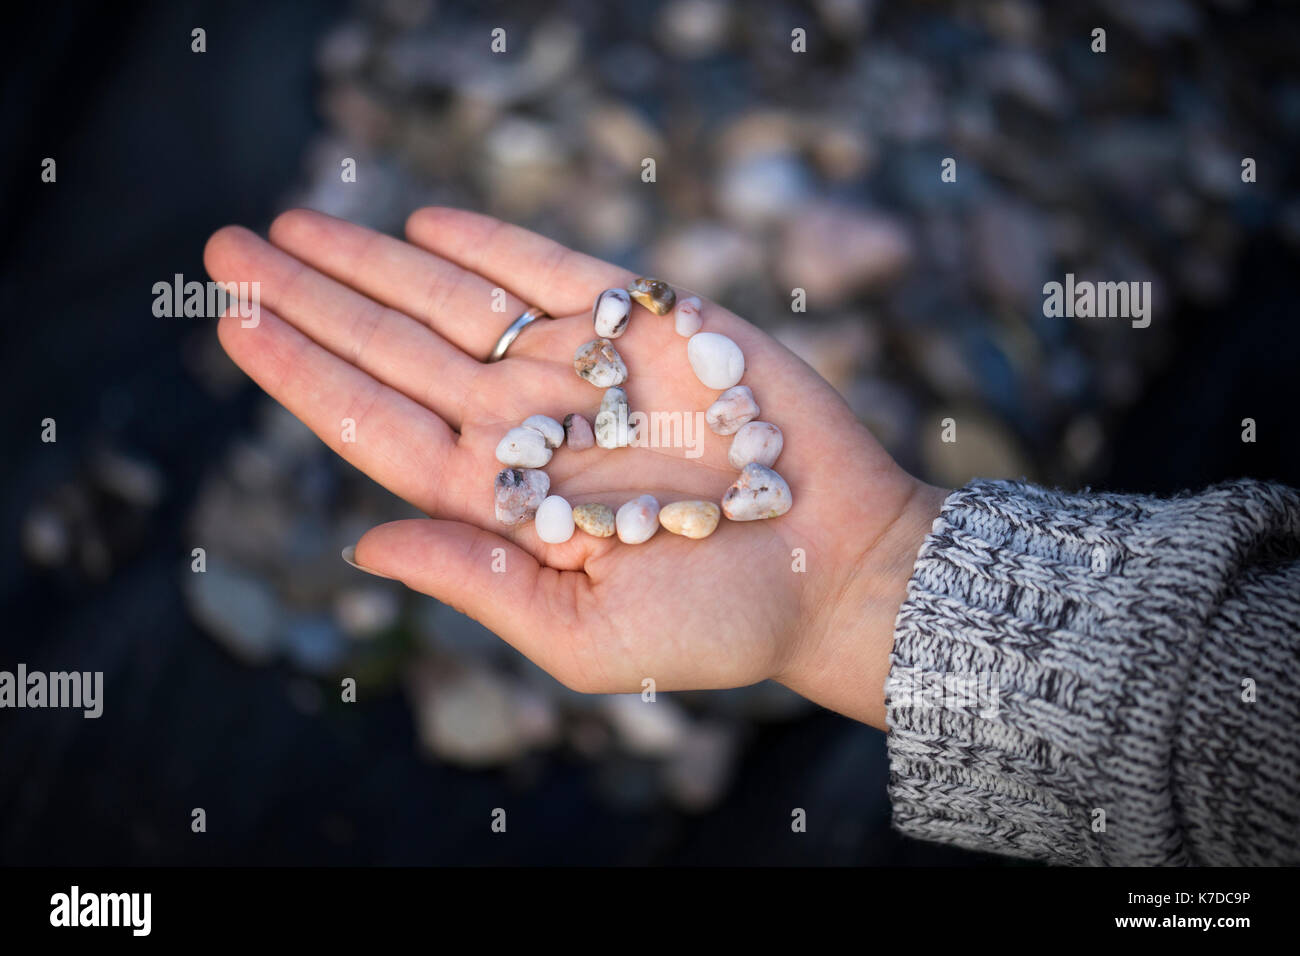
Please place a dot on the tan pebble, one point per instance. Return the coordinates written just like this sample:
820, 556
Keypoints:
595, 519
690, 519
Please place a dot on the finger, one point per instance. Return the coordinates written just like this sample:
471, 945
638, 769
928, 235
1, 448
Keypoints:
458, 305
397, 442
391, 347
487, 577
538, 270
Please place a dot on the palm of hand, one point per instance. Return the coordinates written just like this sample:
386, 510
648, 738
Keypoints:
356, 325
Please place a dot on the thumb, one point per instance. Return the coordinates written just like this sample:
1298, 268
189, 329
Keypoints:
477, 572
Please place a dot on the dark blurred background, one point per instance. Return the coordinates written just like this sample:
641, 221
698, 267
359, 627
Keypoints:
774, 170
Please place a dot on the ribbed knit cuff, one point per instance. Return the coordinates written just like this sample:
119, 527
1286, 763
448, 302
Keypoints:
1042, 663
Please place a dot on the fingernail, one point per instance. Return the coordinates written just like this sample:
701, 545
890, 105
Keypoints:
350, 556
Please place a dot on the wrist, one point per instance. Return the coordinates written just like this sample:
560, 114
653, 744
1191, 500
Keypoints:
842, 665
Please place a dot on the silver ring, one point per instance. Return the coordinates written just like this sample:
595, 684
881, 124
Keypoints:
512, 332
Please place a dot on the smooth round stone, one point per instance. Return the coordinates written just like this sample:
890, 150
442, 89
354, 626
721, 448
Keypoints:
554, 520
759, 442
595, 519
686, 317
519, 493
759, 492
690, 519
734, 408
612, 427
578, 433
638, 520
655, 294
610, 313
551, 430
523, 448
599, 363
716, 360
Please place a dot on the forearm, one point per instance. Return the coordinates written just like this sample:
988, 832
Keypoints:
1066, 677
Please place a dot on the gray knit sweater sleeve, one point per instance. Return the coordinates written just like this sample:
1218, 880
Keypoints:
1103, 679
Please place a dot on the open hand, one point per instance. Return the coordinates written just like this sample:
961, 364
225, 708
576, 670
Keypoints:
358, 325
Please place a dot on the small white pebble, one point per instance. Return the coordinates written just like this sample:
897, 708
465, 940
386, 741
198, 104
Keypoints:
686, 317
759, 442
758, 493
734, 407
613, 428
717, 361
610, 313
519, 493
637, 520
523, 448
551, 430
554, 520
599, 363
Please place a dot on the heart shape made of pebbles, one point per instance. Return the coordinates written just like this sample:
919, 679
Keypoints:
759, 492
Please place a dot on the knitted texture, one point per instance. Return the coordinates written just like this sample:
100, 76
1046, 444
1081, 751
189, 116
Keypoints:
1073, 674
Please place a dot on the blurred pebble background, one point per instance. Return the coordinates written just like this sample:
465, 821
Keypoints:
774, 171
